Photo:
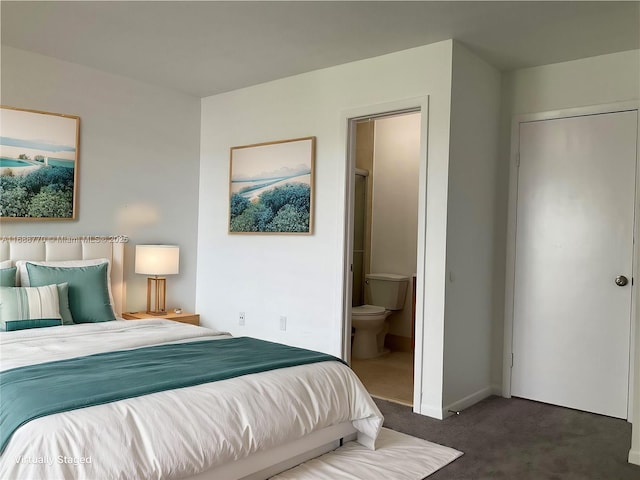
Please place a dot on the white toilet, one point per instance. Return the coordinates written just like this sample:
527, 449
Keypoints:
386, 292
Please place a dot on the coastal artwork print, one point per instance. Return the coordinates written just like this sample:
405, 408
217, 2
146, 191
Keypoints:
271, 187
38, 164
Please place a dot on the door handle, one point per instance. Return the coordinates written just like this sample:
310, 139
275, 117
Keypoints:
621, 280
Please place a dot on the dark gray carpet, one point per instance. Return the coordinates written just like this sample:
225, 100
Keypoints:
520, 439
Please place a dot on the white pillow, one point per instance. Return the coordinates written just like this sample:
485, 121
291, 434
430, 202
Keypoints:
6, 264
23, 275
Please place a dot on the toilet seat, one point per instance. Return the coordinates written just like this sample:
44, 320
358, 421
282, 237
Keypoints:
365, 311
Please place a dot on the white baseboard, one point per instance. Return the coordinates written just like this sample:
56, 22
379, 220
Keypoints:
634, 457
431, 411
467, 401
442, 413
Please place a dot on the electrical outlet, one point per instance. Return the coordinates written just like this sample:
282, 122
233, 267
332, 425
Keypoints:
283, 322
241, 319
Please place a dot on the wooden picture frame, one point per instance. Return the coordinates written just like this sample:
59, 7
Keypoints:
38, 164
271, 187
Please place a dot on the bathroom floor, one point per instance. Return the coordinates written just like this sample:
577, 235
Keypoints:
389, 377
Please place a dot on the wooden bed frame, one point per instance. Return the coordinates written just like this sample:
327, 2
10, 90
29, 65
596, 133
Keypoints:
257, 466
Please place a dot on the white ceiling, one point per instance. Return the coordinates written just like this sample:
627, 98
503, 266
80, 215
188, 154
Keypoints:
204, 47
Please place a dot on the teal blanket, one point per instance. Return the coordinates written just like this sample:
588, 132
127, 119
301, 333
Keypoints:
34, 391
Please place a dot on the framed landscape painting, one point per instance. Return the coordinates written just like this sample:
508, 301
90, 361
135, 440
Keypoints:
38, 165
271, 187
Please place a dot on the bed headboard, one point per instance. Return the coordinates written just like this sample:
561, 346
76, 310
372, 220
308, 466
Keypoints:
40, 248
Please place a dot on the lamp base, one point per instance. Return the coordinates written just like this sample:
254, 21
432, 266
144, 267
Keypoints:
159, 286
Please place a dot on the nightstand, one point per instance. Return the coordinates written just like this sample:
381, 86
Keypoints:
191, 318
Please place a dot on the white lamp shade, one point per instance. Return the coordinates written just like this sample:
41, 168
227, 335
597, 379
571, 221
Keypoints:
157, 259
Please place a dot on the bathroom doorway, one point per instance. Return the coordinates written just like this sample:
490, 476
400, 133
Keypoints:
384, 218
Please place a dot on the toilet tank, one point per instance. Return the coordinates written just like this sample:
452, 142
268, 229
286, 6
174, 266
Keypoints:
387, 290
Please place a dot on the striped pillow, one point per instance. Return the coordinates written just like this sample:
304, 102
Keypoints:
29, 307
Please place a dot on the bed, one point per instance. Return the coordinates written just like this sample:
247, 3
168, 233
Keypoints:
250, 426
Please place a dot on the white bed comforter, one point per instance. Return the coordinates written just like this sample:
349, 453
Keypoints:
177, 433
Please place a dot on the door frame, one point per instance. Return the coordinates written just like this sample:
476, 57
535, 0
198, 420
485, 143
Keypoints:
634, 340
348, 121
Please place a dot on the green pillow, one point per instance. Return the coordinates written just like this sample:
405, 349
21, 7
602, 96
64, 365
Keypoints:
87, 286
8, 277
63, 302
29, 307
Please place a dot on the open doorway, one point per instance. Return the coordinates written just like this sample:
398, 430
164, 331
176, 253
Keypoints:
385, 157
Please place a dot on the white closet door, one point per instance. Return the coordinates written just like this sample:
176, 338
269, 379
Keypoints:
574, 237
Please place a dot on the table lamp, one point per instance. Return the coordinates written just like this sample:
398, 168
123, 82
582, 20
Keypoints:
157, 260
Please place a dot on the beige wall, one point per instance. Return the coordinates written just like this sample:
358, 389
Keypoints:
394, 233
365, 131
